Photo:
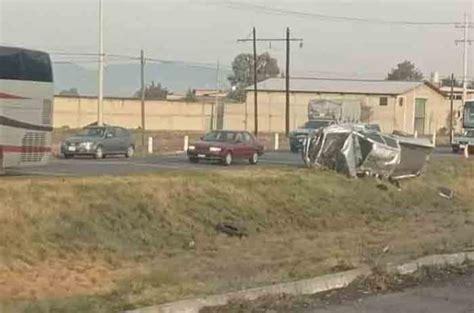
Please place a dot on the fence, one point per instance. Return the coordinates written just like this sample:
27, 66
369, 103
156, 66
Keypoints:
77, 112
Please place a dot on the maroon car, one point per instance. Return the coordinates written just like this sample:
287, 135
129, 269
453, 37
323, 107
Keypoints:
226, 146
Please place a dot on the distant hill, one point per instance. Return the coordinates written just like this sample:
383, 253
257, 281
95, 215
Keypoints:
123, 80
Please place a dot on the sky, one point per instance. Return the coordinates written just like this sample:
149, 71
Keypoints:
206, 31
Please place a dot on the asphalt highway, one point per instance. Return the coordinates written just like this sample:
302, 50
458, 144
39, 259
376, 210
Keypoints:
178, 161
452, 296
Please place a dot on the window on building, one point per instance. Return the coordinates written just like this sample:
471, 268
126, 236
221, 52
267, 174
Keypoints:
401, 101
383, 101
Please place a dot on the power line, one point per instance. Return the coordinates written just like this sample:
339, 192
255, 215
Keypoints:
73, 53
130, 57
324, 17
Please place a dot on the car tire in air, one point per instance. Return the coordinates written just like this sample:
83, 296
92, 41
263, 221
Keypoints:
130, 152
194, 160
294, 149
227, 159
254, 159
99, 153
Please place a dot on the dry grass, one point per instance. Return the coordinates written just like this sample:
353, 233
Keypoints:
107, 244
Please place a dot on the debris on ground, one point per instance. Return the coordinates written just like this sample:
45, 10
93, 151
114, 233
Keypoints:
231, 230
445, 193
355, 151
377, 283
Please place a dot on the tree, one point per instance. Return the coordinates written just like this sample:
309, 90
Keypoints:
405, 71
69, 92
190, 96
153, 92
243, 72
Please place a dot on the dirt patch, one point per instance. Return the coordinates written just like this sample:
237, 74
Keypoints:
61, 279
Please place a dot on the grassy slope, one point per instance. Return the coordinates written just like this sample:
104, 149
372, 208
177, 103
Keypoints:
83, 244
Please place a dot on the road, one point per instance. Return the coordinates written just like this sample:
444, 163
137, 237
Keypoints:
452, 296
123, 166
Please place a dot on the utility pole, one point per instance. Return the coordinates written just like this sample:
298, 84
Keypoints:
142, 93
216, 105
451, 110
287, 83
465, 41
288, 40
100, 117
464, 79
255, 92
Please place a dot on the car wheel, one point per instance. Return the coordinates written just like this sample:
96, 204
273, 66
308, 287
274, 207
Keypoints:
194, 160
99, 153
254, 159
227, 159
294, 149
130, 152
68, 156
455, 149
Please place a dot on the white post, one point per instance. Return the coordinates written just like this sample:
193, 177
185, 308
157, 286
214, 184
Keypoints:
150, 145
416, 134
277, 141
186, 143
466, 152
434, 138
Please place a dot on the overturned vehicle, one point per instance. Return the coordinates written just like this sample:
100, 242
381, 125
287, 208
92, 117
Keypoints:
355, 151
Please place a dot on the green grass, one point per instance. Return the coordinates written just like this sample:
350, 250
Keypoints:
111, 243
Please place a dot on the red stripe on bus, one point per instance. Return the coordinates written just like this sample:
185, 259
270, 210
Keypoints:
4, 95
24, 149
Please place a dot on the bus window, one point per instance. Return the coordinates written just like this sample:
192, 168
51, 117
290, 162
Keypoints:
10, 64
28, 65
468, 115
36, 67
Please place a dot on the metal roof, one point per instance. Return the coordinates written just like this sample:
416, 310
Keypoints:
379, 87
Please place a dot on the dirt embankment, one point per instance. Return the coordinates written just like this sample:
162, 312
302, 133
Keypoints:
113, 243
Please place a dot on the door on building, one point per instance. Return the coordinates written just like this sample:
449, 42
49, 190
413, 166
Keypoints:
420, 113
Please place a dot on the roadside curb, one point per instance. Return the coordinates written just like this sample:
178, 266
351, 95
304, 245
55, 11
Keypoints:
302, 287
306, 286
432, 260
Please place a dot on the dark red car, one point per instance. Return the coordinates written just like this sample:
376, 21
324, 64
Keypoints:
226, 146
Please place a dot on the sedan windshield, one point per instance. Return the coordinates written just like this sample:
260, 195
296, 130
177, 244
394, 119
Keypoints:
92, 132
220, 136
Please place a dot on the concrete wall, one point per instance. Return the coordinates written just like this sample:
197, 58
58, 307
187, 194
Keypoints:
76, 112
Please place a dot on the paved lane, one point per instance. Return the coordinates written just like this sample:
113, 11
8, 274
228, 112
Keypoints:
123, 166
454, 296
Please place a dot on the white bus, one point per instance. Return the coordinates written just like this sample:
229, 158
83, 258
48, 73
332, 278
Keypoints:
26, 107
